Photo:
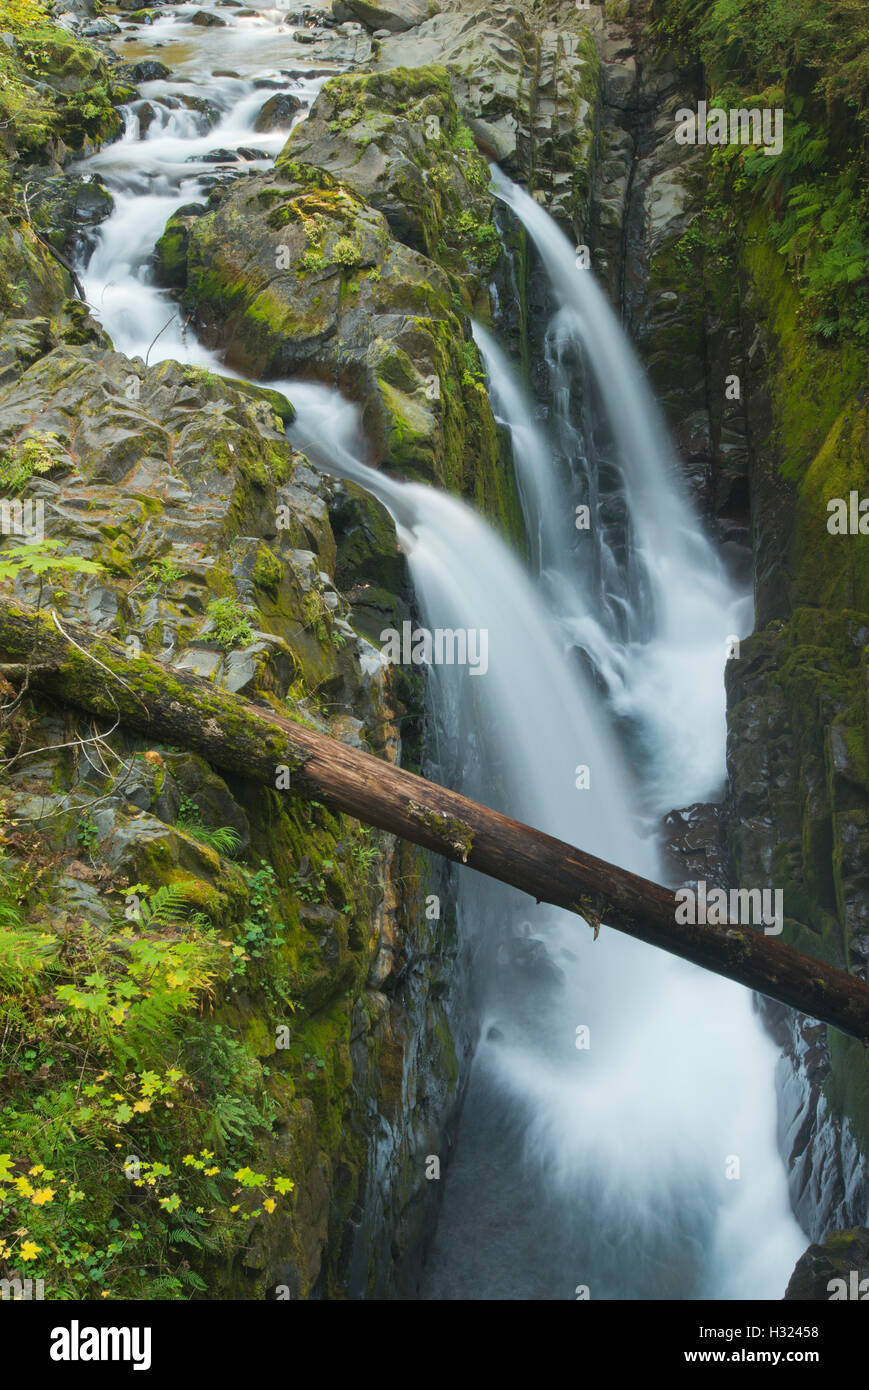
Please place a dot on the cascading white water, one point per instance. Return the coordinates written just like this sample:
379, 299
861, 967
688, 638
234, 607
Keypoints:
669, 686
465, 577
152, 174
612, 1160
584, 585
603, 1166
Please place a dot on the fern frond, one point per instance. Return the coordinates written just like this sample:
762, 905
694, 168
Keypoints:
166, 906
179, 1234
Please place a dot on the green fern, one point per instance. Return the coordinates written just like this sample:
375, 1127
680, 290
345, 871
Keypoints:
165, 1286
166, 906
180, 1235
231, 1118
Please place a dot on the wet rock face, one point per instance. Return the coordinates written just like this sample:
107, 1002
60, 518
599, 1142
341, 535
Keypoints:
393, 16
694, 846
796, 816
826, 1174
173, 479
297, 270
681, 307
836, 1270
277, 113
526, 86
797, 809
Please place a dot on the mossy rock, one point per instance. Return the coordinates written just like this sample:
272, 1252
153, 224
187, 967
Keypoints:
170, 250
294, 272
833, 1269
398, 140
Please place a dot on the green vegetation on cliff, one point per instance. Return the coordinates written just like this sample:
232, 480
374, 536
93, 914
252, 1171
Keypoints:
811, 59
55, 91
796, 227
156, 1046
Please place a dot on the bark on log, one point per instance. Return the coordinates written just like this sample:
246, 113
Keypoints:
251, 741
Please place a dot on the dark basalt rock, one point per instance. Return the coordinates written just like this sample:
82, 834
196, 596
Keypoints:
395, 15
213, 157
835, 1271
277, 112
147, 70
694, 845
207, 110
67, 209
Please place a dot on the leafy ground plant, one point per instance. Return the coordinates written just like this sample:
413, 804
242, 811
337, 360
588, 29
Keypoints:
127, 1116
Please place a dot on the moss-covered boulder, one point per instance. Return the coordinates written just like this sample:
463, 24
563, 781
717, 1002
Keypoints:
835, 1270
178, 484
56, 95
397, 139
294, 271
31, 282
170, 251
395, 15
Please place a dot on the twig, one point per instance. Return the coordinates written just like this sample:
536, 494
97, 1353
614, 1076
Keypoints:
96, 660
81, 1073
56, 747
162, 331
58, 255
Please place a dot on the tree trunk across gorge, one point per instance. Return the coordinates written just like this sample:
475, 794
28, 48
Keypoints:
97, 674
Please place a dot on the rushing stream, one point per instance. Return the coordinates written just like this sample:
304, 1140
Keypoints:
603, 1166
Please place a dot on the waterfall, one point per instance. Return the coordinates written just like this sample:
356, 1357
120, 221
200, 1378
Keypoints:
663, 668
612, 1166
150, 177
578, 570
602, 1166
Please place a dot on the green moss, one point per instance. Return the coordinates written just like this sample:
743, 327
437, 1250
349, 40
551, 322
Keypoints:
279, 403
453, 834
267, 571
847, 1088
808, 61
821, 432
170, 249
52, 88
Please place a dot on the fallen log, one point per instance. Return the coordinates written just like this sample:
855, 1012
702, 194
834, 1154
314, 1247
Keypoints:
97, 674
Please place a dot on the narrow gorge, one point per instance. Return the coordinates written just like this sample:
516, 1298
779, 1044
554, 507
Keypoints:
395, 369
